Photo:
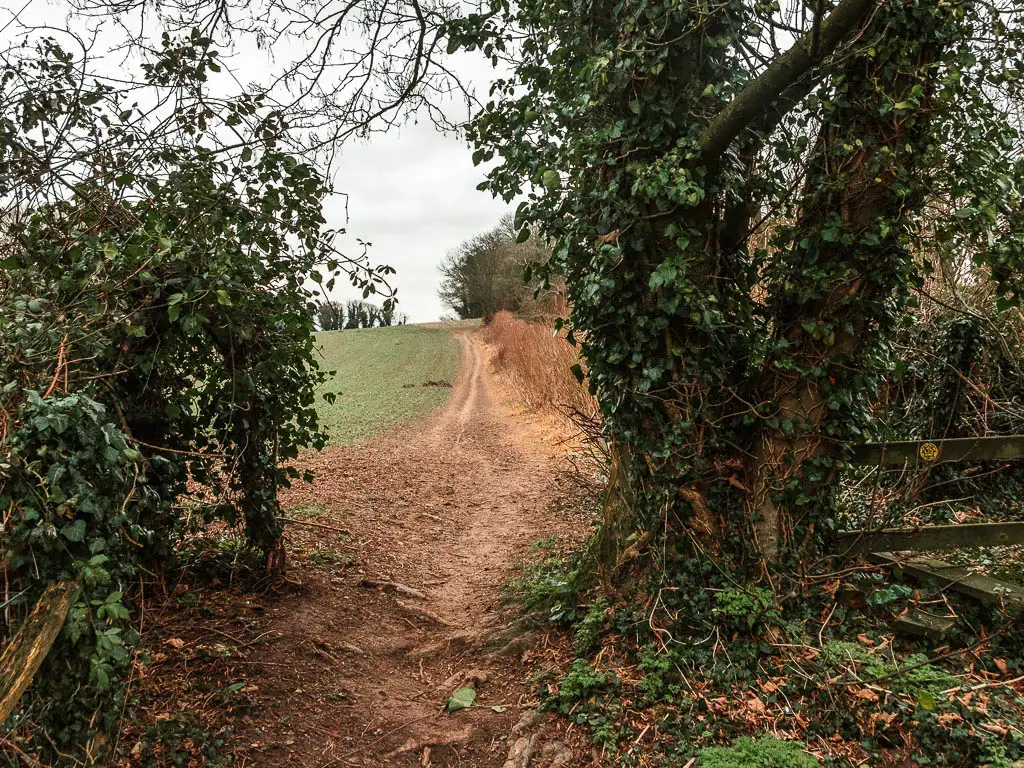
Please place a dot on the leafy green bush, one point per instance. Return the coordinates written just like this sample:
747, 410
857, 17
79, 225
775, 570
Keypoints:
547, 583
912, 674
590, 626
156, 351
747, 608
583, 685
764, 752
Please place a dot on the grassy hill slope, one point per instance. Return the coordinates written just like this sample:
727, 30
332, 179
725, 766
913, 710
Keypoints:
380, 374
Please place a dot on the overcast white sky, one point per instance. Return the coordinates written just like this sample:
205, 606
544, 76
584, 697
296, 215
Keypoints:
411, 193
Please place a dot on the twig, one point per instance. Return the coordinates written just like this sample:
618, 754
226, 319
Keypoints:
229, 637
176, 451
980, 686
926, 662
59, 368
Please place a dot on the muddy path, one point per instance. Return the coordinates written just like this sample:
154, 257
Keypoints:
407, 607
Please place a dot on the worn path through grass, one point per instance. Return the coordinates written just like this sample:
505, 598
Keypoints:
398, 555
401, 602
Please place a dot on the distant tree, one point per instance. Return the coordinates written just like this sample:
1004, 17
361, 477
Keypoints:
352, 314
373, 316
485, 274
363, 314
330, 316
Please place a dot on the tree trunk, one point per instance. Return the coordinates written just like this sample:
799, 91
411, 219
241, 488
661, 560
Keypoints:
837, 296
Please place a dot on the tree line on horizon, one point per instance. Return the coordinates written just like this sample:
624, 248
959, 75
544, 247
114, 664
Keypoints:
342, 316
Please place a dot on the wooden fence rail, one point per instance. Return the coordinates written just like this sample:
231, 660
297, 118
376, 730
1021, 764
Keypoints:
931, 538
918, 453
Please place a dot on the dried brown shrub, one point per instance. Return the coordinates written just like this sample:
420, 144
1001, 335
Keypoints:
536, 364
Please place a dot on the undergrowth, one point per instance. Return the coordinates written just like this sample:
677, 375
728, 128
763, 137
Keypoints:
736, 678
765, 752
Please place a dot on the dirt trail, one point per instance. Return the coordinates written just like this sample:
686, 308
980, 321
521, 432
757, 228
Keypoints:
357, 672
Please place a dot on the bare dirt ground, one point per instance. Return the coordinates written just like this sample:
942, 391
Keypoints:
418, 533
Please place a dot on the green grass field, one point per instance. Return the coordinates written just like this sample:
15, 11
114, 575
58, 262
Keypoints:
373, 365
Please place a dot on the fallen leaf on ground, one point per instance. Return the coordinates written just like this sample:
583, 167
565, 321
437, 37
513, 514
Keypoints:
462, 698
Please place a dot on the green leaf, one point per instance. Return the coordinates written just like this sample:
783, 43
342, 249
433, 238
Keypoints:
461, 699
552, 181
110, 250
74, 531
926, 701
223, 298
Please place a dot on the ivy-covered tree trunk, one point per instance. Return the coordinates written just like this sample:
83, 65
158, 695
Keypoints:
738, 227
846, 276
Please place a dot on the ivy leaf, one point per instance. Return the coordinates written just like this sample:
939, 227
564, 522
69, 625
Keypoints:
663, 275
74, 531
461, 699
